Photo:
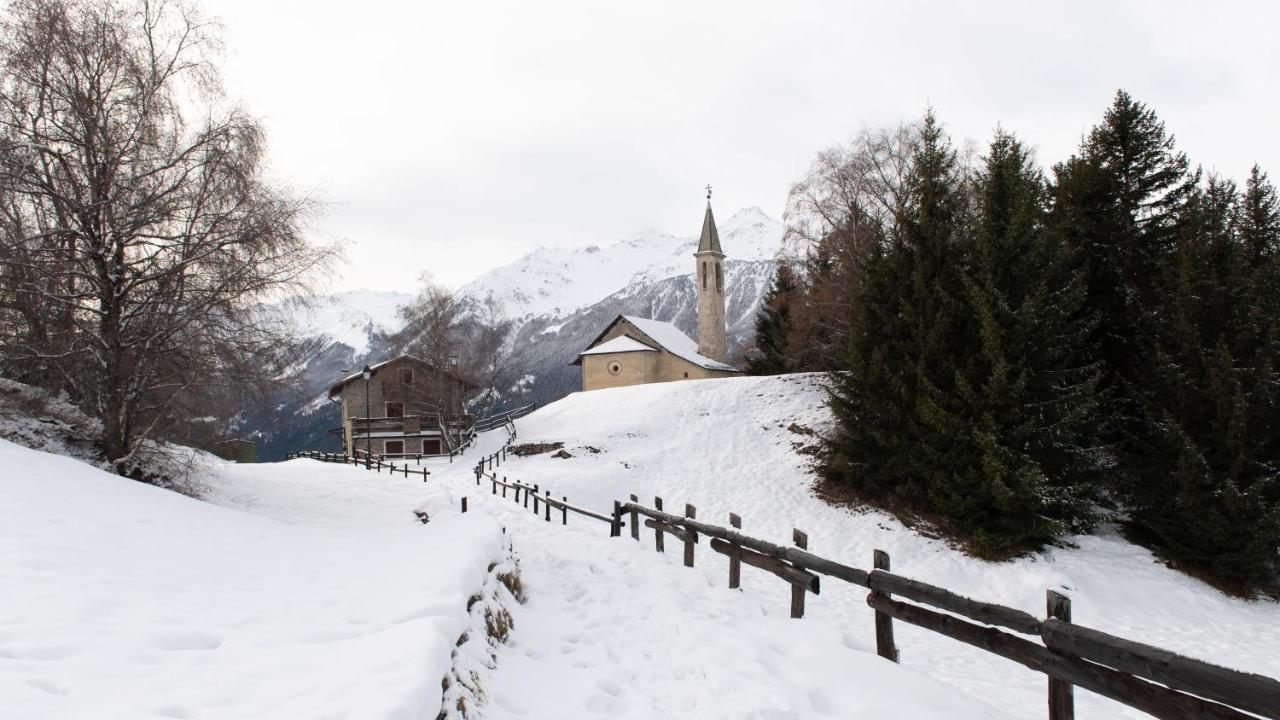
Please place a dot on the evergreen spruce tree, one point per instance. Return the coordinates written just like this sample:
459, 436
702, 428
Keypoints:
1023, 461
773, 325
896, 429
1116, 206
1208, 485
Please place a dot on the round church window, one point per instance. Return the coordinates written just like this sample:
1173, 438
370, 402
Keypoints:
615, 367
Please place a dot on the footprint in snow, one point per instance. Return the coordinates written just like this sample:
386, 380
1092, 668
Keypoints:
179, 640
48, 686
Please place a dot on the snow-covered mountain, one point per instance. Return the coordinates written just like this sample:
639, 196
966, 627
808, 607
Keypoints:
559, 299
550, 282
352, 318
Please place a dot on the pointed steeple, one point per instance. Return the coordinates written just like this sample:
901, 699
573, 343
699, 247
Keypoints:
710, 239
708, 279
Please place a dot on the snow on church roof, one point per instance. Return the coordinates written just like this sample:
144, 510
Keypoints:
620, 344
676, 342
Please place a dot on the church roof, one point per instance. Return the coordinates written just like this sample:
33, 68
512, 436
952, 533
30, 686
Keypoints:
709, 241
663, 334
620, 344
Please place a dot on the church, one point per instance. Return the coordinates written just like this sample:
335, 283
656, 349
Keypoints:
634, 350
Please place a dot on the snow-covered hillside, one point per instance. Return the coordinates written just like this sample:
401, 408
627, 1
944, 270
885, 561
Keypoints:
313, 592
319, 595
558, 281
741, 445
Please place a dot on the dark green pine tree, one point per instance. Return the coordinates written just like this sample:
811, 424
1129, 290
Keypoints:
773, 325
1208, 487
896, 428
1023, 461
1116, 205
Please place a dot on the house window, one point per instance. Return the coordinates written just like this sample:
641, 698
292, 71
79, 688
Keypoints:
686, 374
430, 446
704, 276
394, 447
395, 409
406, 376
615, 367
719, 279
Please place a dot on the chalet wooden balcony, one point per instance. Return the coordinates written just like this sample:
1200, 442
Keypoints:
410, 424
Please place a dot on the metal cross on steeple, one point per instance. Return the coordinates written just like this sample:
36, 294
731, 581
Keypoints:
708, 191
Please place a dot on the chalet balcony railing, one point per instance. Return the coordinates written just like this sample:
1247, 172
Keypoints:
411, 424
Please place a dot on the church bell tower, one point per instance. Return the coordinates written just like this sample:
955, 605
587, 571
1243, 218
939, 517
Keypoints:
709, 280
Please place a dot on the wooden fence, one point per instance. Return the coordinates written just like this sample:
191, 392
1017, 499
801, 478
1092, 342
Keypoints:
1156, 681
492, 422
372, 462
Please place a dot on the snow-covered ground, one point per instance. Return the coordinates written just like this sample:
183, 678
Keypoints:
315, 594
306, 590
634, 633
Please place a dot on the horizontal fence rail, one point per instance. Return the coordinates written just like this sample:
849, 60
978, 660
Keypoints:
374, 463
493, 422
1155, 681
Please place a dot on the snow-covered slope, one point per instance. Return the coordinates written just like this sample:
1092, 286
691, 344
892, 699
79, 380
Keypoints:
121, 600
559, 281
741, 445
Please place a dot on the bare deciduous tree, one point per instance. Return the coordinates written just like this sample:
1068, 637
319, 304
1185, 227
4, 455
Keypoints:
845, 208
468, 337
136, 227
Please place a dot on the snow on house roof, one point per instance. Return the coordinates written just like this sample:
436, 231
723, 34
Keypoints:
336, 388
620, 344
671, 339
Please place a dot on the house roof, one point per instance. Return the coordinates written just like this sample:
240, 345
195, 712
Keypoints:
662, 334
620, 344
709, 241
336, 388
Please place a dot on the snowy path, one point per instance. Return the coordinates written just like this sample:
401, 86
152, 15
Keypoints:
613, 630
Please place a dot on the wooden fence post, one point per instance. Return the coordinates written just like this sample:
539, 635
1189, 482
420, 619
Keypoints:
635, 520
564, 509
884, 624
657, 532
464, 504
1061, 695
615, 527
691, 536
546, 506
535, 499
526, 498
735, 564
797, 591
504, 486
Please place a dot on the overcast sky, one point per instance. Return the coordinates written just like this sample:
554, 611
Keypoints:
453, 137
